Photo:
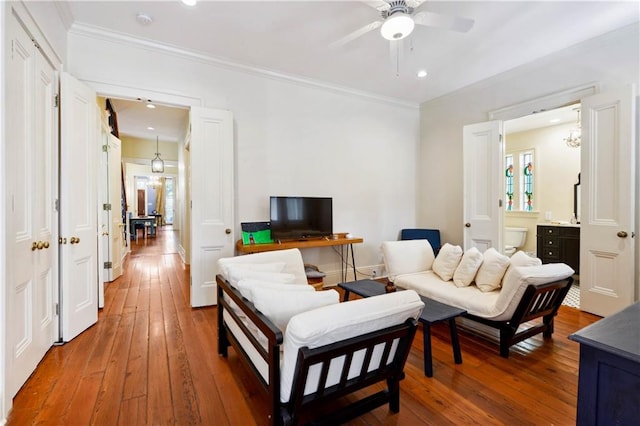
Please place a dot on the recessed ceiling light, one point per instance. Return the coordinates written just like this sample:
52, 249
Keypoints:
150, 106
150, 128
144, 19
190, 2
422, 73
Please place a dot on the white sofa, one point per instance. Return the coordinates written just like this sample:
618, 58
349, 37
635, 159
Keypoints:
527, 289
300, 359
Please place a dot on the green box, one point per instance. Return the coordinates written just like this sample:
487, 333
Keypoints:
256, 233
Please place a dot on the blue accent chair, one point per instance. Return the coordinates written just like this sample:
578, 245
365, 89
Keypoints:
431, 235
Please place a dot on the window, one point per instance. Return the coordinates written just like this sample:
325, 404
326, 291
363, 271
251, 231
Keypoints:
508, 181
526, 192
519, 181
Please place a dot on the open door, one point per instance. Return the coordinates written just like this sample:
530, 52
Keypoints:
607, 202
80, 142
483, 150
212, 236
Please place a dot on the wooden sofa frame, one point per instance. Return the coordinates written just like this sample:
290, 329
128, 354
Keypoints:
303, 405
541, 300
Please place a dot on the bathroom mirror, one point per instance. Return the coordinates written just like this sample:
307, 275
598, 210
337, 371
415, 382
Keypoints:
576, 200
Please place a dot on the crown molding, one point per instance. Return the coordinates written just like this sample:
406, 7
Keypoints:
94, 32
64, 11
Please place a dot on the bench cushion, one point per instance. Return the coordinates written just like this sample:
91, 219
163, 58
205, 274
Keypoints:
406, 257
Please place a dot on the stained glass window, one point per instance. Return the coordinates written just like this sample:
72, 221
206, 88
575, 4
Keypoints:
526, 192
508, 181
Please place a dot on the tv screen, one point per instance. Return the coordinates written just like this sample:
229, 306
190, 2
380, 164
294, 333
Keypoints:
295, 218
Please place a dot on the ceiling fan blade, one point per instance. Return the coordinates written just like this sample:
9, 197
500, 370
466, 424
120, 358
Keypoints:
377, 4
354, 35
436, 20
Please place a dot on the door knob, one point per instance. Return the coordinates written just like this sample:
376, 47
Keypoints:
468, 225
34, 246
105, 234
74, 240
622, 234
40, 245
227, 231
46, 244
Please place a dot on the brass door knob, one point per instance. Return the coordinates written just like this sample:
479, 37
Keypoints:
622, 234
40, 245
46, 244
227, 231
468, 225
74, 240
105, 234
34, 246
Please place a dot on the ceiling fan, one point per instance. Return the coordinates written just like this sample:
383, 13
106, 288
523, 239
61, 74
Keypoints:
399, 19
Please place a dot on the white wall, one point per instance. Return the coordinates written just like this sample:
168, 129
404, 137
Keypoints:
291, 138
611, 60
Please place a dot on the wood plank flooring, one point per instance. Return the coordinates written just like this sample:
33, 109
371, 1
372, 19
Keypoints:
151, 359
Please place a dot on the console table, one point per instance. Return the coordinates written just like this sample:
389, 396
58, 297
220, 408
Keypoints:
310, 243
609, 377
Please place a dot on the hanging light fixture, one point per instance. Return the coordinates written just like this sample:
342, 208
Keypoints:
157, 165
574, 138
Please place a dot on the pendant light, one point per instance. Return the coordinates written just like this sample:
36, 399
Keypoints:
157, 165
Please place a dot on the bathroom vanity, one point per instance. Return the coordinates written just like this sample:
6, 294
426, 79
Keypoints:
559, 243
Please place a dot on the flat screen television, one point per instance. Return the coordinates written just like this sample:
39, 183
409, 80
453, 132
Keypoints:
299, 218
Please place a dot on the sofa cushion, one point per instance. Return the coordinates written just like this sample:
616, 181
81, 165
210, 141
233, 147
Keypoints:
493, 267
468, 267
521, 258
246, 287
291, 257
341, 321
280, 306
237, 273
406, 257
447, 261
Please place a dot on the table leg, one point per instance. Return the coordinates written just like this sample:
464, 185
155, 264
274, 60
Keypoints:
346, 295
426, 337
457, 355
353, 261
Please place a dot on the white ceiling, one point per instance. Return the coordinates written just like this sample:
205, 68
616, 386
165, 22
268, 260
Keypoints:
292, 38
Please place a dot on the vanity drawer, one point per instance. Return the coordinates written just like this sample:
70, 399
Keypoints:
550, 242
550, 253
548, 230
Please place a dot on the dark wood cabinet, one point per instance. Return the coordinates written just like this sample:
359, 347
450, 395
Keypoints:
609, 378
559, 243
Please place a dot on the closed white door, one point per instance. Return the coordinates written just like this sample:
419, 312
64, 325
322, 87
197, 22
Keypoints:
31, 148
607, 266
212, 236
80, 144
116, 236
483, 150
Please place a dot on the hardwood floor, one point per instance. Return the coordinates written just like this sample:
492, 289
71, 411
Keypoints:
151, 359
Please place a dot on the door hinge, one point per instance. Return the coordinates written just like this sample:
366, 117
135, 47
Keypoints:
499, 203
106, 206
108, 265
56, 100
105, 148
12, 42
56, 205
57, 309
500, 137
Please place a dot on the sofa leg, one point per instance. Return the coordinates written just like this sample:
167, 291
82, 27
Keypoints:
394, 395
548, 330
505, 339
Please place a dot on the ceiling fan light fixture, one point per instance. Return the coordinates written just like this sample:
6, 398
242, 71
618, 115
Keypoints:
397, 26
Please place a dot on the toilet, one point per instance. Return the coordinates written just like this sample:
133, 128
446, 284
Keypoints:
513, 239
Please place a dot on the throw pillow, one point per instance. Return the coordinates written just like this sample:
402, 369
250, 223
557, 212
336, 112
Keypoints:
521, 258
236, 274
447, 261
468, 267
280, 306
493, 267
247, 285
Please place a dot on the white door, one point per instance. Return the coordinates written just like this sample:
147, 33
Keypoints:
483, 150
80, 143
31, 150
116, 236
607, 202
211, 153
